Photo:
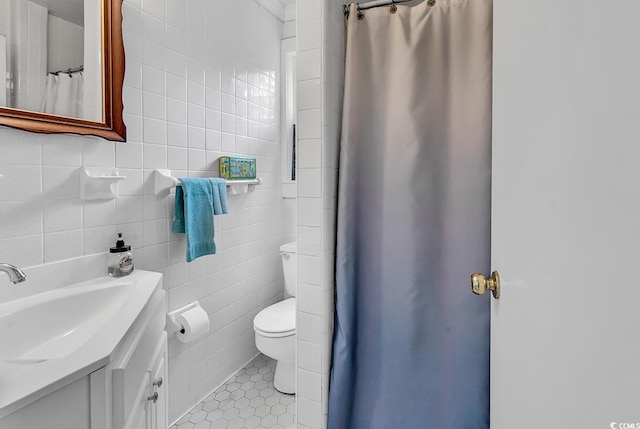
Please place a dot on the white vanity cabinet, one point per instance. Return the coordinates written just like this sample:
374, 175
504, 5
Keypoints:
159, 412
129, 392
148, 409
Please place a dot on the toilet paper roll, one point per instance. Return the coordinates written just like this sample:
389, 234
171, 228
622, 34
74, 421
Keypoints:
195, 323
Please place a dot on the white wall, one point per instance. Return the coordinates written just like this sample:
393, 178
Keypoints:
320, 87
92, 61
28, 47
65, 44
202, 80
288, 113
3, 71
289, 26
5, 13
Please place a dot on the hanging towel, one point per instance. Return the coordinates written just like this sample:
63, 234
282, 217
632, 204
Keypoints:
193, 215
219, 187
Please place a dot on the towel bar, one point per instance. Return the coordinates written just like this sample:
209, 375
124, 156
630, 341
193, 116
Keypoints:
163, 181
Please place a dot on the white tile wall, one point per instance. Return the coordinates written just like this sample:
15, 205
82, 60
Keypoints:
289, 29
3, 64
320, 87
5, 14
289, 219
182, 57
29, 70
289, 188
65, 44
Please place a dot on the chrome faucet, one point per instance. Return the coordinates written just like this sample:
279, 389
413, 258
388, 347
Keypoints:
16, 275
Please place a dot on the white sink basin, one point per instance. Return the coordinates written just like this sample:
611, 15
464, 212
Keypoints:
64, 322
53, 324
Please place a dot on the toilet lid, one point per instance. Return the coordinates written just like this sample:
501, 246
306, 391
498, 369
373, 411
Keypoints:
277, 318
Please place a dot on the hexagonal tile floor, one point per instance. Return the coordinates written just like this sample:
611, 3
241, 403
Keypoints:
246, 400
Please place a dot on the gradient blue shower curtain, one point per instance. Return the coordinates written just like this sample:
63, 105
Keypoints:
411, 342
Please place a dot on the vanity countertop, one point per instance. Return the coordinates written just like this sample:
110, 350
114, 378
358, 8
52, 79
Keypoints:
88, 322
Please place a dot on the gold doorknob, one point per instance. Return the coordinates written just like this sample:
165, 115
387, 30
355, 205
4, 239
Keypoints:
480, 284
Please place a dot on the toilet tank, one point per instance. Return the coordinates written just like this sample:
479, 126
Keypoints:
289, 253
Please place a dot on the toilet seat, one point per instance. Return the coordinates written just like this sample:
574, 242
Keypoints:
277, 320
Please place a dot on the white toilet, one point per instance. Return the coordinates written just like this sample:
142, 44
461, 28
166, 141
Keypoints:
275, 326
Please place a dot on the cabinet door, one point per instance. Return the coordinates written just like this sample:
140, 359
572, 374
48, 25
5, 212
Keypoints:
131, 369
139, 418
159, 377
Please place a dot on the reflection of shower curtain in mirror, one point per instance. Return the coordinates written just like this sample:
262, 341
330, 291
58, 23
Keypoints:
64, 94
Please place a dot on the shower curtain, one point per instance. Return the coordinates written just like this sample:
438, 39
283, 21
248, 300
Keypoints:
64, 94
411, 341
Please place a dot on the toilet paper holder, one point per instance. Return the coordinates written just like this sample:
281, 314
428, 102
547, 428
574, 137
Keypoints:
172, 315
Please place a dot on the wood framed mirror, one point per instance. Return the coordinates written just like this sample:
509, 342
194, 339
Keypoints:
57, 95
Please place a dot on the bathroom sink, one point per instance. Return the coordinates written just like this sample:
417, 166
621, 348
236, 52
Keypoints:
53, 324
66, 321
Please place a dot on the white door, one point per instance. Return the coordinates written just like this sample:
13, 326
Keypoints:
565, 347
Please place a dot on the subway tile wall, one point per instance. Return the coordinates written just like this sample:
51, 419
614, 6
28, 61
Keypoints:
30, 35
289, 188
65, 44
320, 88
202, 80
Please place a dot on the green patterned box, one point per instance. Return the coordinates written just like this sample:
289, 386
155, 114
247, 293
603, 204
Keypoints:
237, 168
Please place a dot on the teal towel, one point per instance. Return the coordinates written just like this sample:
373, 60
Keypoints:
193, 215
219, 187
177, 224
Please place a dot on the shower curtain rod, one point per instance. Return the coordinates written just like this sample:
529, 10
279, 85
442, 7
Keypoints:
69, 71
370, 4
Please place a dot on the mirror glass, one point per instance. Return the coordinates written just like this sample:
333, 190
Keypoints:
51, 56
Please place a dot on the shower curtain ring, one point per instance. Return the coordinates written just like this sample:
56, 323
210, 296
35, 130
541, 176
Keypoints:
393, 8
360, 13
